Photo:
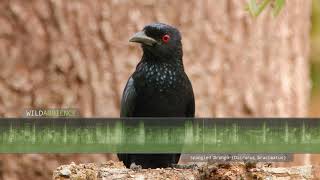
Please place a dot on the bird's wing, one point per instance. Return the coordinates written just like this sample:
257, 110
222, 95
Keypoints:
128, 99
191, 104
191, 107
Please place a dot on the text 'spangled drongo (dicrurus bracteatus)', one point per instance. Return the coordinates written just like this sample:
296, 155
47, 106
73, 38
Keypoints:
159, 87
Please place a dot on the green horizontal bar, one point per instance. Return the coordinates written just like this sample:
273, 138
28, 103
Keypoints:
159, 135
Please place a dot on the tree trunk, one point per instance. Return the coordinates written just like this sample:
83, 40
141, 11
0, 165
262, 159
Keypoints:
56, 53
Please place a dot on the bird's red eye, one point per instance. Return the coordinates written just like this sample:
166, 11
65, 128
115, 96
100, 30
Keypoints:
166, 38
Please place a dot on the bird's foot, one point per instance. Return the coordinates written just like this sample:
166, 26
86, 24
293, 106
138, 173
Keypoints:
185, 166
135, 167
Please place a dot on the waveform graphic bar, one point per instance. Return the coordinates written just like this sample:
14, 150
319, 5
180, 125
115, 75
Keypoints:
159, 135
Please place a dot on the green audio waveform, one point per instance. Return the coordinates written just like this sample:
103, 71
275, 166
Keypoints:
162, 135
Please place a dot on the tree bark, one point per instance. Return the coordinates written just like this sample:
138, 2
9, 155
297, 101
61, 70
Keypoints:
56, 53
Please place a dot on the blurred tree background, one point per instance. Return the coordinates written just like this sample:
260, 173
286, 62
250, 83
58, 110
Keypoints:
315, 59
75, 53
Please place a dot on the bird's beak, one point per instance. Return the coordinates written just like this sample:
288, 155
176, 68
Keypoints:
141, 37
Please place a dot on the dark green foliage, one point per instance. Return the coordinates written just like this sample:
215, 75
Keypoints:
256, 8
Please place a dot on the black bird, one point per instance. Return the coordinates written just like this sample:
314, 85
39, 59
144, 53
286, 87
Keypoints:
159, 87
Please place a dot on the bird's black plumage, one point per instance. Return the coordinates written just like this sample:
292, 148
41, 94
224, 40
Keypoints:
159, 87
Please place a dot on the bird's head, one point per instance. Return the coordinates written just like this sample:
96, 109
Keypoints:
160, 42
